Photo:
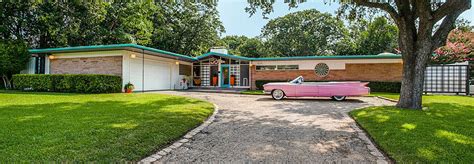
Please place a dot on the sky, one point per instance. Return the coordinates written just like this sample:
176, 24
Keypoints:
237, 22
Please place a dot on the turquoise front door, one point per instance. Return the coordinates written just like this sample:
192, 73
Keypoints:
225, 76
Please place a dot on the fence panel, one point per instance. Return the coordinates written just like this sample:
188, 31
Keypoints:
447, 79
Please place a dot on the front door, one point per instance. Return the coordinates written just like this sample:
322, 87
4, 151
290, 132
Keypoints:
225, 76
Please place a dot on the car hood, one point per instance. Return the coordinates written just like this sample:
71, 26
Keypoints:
280, 83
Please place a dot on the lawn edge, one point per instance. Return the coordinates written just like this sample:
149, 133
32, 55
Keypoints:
385, 98
374, 148
184, 139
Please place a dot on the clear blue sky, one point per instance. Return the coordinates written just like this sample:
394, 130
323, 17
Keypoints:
237, 22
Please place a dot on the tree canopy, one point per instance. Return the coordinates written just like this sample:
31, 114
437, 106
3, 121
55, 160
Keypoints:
13, 58
187, 28
303, 33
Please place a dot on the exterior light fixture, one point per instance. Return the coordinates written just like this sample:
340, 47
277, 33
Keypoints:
177, 62
51, 57
133, 56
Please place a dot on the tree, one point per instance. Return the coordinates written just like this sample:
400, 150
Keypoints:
303, 33
252, 47
379, 37
368, 36
129, 22
13, 58
187, 28
184, 27
417, 37
233, 42
244, 46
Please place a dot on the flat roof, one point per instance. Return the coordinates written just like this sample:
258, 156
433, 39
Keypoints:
110, 47
139, 48
379, 56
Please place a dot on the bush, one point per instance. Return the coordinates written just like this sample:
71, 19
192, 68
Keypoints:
392, 87
375, 86
68, 83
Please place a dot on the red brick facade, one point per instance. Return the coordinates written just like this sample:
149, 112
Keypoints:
111, 65
387, 72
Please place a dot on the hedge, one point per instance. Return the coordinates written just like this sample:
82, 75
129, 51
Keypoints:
91, 83
375, 86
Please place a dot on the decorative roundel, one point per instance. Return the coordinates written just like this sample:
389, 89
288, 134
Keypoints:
321, 69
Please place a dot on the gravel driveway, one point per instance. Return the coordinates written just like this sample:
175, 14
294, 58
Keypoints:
252, 128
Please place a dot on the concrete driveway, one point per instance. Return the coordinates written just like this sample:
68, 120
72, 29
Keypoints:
251, 128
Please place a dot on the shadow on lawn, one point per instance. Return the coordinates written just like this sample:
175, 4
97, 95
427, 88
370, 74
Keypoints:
95, 130
443, 132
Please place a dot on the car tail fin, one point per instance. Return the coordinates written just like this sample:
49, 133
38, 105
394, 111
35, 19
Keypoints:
364, 84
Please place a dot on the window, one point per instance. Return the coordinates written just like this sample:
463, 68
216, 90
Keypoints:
184, 70
277, 67
266, 67
287, 67
321, 69
40, 64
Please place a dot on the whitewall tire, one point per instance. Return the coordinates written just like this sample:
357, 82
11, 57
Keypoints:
338, 98
278, 94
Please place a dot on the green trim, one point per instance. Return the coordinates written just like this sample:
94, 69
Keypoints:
381, 56
108, 47
394, 56
223, 55
124, 46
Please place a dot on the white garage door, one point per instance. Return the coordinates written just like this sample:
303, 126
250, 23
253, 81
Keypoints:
157, 75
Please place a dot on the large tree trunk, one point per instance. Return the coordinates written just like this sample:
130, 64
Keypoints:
416, 54
412, 84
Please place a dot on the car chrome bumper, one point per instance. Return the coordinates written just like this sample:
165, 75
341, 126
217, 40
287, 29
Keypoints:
267, 92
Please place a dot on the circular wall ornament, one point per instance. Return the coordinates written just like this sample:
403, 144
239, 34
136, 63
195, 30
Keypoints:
321, 69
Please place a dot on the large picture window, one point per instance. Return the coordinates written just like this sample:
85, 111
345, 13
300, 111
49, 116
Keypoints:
276, 67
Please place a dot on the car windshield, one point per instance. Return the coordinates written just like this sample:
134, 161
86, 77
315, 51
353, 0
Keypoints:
298, 80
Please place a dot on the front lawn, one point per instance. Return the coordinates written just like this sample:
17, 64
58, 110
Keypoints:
253, 92
393, 96
442, 132
93, 127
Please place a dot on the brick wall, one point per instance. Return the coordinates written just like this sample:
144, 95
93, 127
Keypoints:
354, 72
111, 65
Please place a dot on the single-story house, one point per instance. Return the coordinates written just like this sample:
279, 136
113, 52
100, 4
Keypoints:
153, 69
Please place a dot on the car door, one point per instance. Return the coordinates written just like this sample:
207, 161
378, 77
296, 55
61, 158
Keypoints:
306, 90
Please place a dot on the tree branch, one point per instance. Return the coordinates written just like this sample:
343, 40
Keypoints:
446, 26
449, 6
383, 6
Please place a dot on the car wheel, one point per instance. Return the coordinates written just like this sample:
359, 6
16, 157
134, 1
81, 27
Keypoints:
278, 94
338, 98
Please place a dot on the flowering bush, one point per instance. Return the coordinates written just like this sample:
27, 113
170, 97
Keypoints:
459, 48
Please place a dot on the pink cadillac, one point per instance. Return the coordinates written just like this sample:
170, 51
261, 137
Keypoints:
298, 88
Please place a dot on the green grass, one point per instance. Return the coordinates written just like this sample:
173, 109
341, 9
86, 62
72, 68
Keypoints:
393, 96
93, 127
442, 132
252, 92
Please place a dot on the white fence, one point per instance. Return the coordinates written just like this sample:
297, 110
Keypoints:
452, 78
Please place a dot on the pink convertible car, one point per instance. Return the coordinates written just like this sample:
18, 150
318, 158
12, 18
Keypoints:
298, 88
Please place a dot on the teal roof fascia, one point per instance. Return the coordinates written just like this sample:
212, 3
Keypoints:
108, 47
330, 57
123, 46
223, 55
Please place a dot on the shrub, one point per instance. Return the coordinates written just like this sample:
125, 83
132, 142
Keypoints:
68, 83
393, 87
375, 86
